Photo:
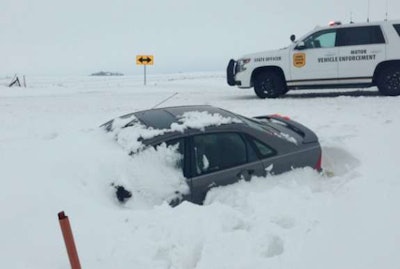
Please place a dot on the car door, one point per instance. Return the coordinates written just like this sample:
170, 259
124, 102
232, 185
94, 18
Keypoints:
219, 159
361, 49
314, 59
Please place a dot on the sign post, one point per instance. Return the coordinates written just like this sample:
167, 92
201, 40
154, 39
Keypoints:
144, 60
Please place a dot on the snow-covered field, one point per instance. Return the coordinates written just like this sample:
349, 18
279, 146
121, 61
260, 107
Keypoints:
53, 157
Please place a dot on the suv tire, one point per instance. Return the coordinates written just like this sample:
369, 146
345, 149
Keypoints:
269, 84
388, 81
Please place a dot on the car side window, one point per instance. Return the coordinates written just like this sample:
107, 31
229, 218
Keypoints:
397, 28
213, 152
365, 35
264, 150
251, 153
321, 39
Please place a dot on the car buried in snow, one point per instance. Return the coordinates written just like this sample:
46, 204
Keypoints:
218, 147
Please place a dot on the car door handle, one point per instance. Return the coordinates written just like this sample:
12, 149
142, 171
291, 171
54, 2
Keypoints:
212, 185
249, 172
240, 176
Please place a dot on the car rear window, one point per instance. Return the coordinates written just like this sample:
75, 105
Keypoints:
257, 124
397, 27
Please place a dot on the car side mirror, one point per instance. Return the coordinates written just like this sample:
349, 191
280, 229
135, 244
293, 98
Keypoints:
293, 38
300, 46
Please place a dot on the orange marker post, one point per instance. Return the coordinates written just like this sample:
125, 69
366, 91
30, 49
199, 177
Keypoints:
69, 240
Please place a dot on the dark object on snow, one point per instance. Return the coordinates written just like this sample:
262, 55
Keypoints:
122, 193
15, 82
103, 73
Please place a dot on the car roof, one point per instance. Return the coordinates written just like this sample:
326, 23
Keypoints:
162, 118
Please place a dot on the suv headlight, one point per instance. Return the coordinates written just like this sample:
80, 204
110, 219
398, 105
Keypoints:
240, 66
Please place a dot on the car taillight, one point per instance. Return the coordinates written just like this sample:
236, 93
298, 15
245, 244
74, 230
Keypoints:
281, 116
318, 165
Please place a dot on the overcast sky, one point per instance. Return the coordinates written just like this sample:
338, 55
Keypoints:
79, 37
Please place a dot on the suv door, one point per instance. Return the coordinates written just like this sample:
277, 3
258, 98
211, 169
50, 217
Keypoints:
361, 49
314, 59
219, 159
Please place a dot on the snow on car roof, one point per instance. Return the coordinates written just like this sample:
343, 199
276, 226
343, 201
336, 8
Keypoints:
163, 118
129, 130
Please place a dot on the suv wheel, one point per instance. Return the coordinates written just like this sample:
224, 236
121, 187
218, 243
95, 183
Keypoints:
269, 85
388, 81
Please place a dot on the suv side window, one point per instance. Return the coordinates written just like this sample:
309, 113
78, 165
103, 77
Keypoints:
321, 39
397, 27
213, 152
365, 35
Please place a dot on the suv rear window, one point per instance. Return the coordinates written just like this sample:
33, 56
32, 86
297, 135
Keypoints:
397, 27
353, 36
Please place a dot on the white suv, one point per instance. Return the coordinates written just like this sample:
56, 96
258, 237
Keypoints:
337, 56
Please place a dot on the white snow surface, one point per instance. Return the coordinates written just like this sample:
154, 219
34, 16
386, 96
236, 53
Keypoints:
54, 157
200, 120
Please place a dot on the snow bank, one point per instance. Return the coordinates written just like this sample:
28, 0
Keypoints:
153, 177
53, 157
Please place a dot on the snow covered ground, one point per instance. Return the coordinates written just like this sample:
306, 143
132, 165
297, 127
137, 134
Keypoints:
53, 157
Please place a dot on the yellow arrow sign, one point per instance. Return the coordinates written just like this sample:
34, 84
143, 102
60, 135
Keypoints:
144, 59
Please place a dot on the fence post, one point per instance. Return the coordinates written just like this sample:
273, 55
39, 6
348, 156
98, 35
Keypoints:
69, 240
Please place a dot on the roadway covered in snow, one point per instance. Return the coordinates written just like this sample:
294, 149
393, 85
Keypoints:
53, 157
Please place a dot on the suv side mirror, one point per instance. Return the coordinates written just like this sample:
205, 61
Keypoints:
300, 46
293, 38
